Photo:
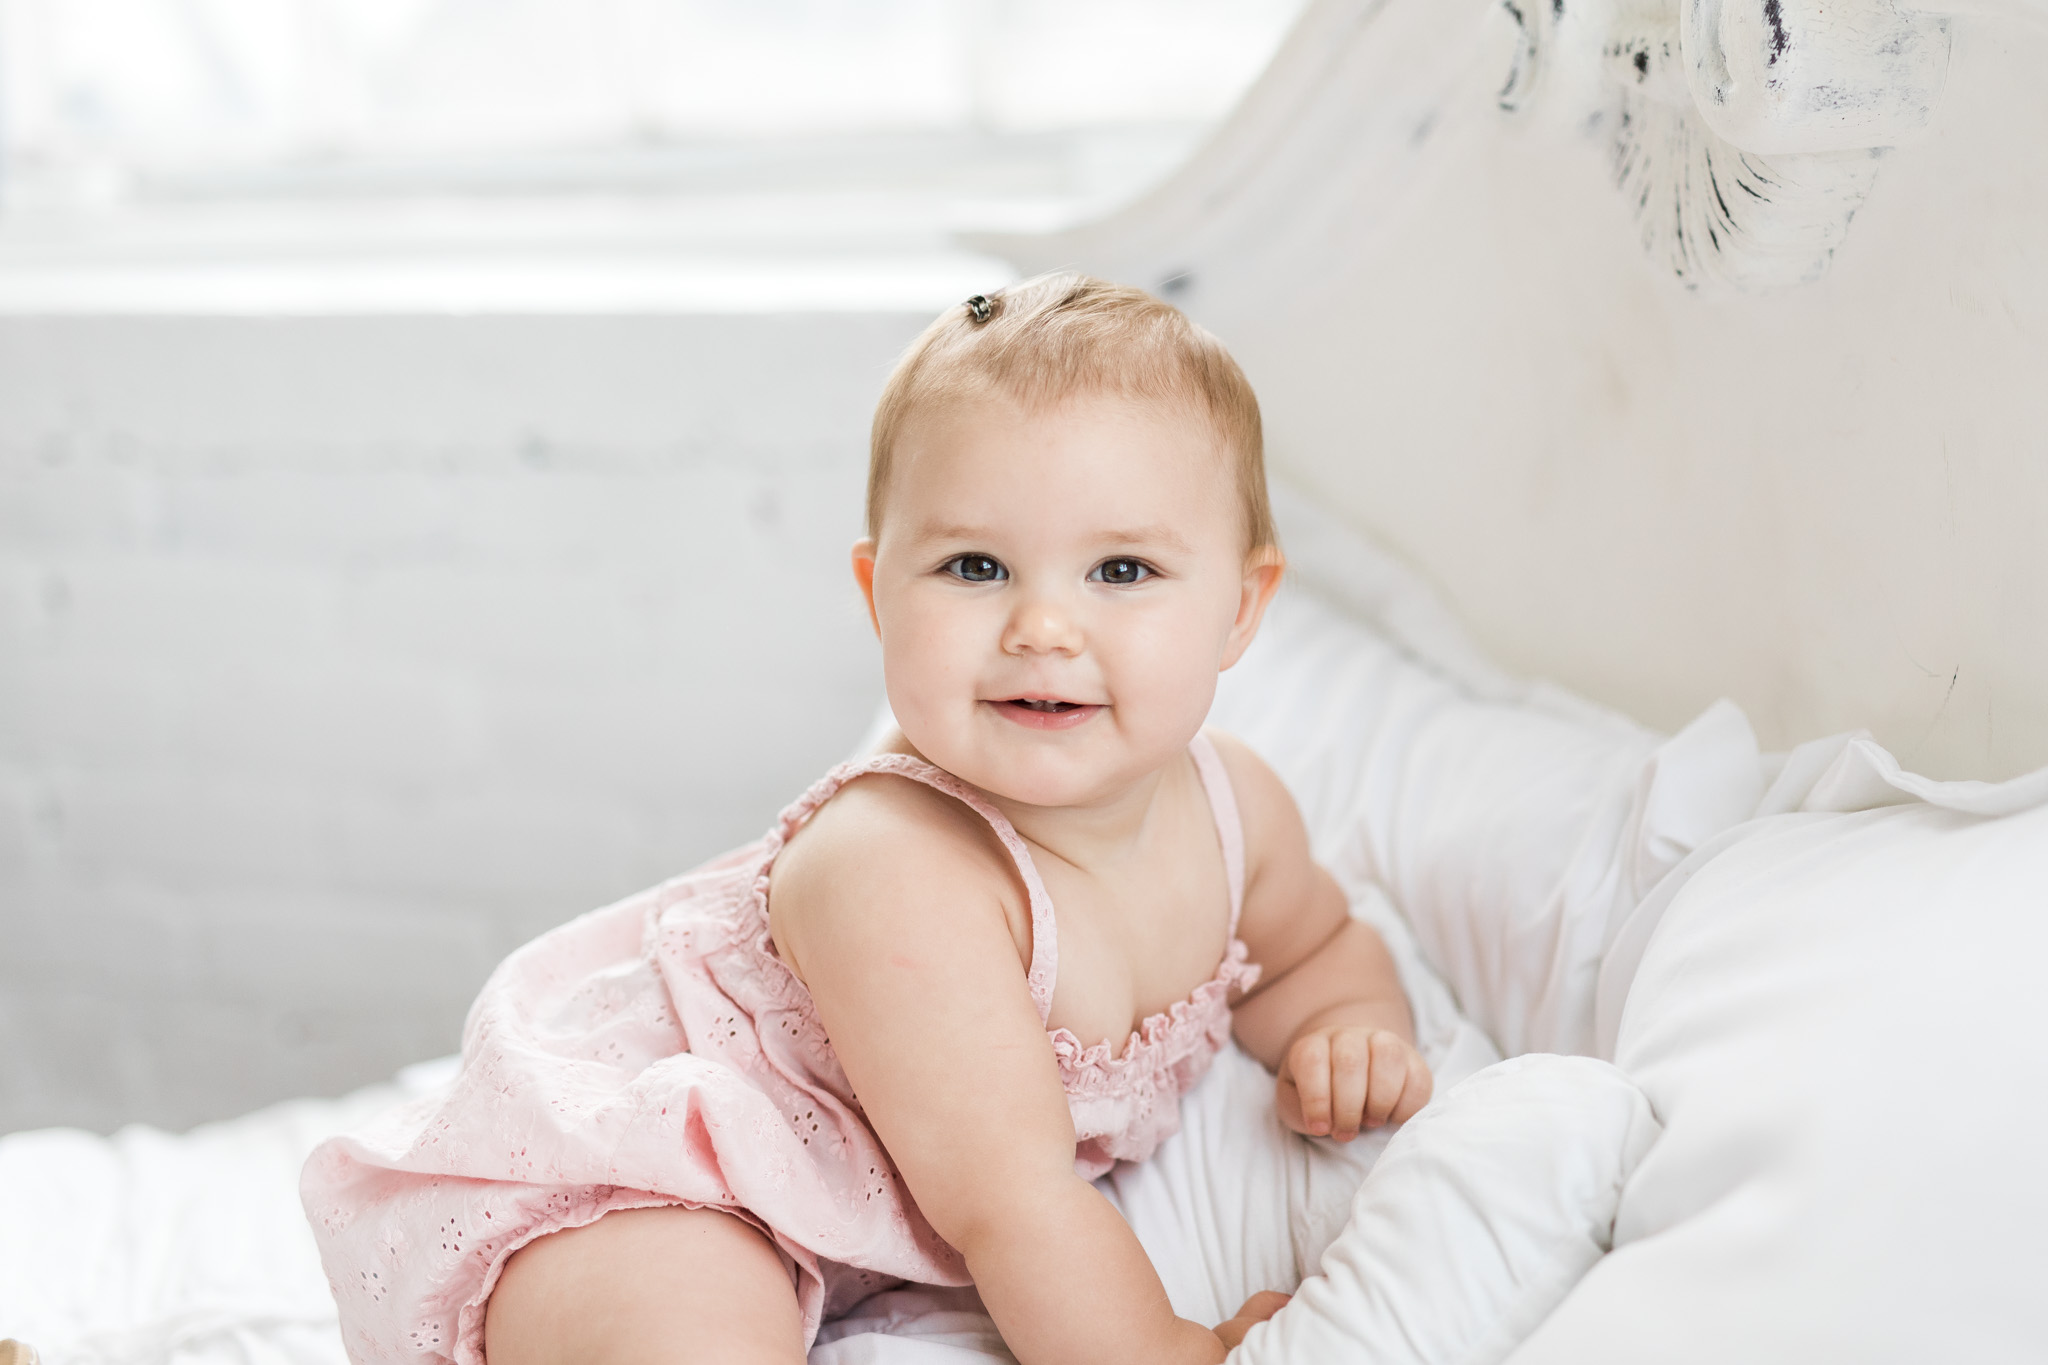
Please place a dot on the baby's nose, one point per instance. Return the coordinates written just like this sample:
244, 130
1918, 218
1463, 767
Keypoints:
1040, 627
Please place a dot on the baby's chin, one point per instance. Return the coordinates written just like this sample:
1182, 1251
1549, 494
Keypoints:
1087, 765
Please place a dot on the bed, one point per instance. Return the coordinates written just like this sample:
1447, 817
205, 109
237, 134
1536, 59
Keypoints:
1659, 389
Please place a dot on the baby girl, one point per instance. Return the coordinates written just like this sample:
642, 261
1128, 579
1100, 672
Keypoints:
896, 1039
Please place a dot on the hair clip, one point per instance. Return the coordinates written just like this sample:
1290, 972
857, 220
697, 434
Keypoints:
980, 308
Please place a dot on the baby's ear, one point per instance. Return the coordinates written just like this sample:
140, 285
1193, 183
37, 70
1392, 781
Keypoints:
864, 574
1263, 570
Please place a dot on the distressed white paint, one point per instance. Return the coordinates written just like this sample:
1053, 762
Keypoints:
1813, 76
1745, 133
1756, 196
1824, 501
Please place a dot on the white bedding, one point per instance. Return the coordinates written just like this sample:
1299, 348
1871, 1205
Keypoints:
153, 1247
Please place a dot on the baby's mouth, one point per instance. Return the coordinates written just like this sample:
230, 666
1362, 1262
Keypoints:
1046, 713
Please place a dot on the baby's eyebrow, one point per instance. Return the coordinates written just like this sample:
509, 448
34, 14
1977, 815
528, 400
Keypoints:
924, 535
1159, 534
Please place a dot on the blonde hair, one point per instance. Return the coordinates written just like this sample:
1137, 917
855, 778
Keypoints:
1059, 335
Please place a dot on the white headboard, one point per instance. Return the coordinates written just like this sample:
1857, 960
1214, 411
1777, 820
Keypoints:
1565, 301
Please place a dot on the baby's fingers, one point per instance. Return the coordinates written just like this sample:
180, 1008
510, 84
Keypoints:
1400, 1082
1307, 1069
1263, 1305
1416, 1091
1257, 1309
1351, 1072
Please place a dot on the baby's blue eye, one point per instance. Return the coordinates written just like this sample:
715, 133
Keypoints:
976, 569
1121, 572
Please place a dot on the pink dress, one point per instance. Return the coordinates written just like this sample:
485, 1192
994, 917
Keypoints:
659, 1052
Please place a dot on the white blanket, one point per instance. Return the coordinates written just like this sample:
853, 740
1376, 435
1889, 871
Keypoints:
150, 1247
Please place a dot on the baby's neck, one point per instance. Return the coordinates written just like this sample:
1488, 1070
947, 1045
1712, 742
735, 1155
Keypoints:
1099, 834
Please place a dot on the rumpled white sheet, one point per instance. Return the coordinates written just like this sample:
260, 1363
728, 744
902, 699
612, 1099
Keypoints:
149, 1247
1483, 1213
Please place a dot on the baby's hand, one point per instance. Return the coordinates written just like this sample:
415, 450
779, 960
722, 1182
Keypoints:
1256, 1310
1343, 1077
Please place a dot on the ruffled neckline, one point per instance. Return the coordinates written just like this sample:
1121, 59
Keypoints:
1151, 1045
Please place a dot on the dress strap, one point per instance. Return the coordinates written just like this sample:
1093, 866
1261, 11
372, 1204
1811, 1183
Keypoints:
1045, 950
1229, 824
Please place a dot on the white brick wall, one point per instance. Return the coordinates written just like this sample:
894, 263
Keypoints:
338, 656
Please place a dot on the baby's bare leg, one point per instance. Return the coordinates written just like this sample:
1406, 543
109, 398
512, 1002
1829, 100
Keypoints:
667, 1286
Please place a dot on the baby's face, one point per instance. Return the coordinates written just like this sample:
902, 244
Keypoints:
1056, 591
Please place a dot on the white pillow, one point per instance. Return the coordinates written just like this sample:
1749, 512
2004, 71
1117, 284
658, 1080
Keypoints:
1480, 1216
1838, 1015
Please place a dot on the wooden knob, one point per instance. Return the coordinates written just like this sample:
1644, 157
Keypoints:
13, 1352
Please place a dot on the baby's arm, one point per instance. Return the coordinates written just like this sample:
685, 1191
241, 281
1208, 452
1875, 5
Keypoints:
1328, 1015
895, 917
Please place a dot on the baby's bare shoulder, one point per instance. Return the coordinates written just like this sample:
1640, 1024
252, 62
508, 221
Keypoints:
884, 852
1265, 805
883, 824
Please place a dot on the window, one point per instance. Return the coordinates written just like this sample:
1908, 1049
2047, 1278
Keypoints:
144, 143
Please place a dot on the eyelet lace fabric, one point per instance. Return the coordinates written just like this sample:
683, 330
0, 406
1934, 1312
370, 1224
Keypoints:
659, 1052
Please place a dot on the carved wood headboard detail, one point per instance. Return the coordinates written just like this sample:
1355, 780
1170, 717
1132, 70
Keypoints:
1562, 299
1746, 133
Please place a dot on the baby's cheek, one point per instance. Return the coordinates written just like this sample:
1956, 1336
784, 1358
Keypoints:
1171, 677
914, 699
931, 687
